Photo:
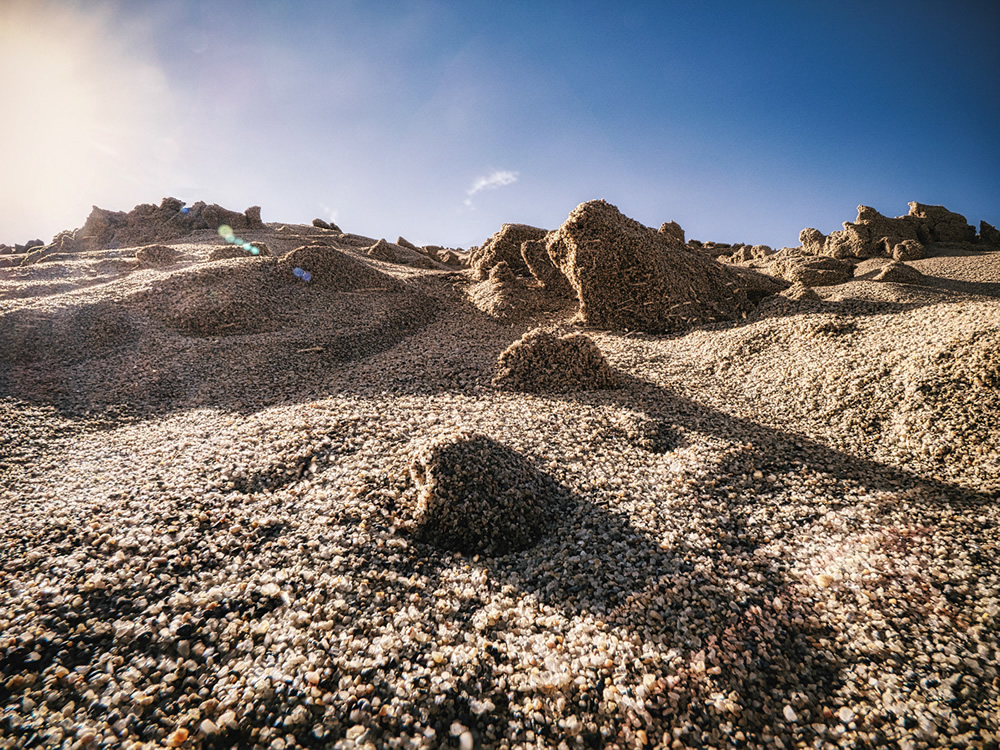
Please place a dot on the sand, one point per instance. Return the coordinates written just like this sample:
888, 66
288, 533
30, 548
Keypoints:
779, 532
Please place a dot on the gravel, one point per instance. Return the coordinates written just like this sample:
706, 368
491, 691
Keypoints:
777, 533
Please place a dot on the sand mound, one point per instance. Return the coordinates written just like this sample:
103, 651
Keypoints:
477, 496
336, 270
228, 298
504, 245
798, 292
899, 273
907, 376
627, 276
888, 270
541, 361
352, 308
504, 296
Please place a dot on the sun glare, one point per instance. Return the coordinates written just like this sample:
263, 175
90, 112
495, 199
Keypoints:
76, 105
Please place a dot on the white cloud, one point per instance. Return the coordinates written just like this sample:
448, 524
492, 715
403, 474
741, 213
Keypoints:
497, 179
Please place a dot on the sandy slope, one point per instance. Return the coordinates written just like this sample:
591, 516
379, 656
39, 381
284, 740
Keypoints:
781, 532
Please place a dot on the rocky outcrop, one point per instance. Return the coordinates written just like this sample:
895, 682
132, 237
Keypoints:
812, 241
672, 230
541, 361
873, 235
907, 250
144, 225
320, 224
504, 245
628, 276
941, 225
750, 252
989, 235
474, 495
811, 270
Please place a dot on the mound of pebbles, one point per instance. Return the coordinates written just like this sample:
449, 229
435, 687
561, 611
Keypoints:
225, 252
542, 361
504, 246
477, 496
629, 277
157, 256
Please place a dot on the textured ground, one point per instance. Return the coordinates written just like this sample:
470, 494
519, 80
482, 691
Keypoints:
778, 533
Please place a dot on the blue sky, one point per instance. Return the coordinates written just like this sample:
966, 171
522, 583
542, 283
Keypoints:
442, 120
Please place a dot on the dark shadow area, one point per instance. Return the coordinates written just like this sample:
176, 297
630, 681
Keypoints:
978, 288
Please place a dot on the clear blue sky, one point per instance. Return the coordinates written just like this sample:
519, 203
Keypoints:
442, 120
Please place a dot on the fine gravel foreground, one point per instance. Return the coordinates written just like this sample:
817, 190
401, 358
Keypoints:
241, 509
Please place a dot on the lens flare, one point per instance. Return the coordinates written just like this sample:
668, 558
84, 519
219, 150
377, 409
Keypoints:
226, 232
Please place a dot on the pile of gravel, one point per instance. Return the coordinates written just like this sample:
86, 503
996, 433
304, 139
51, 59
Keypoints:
157, 256
505, 246
400, 254
541, 361
475, 495
629, 277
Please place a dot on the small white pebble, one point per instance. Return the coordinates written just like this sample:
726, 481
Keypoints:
270, 589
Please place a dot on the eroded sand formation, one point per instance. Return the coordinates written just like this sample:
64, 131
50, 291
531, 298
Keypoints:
599, 486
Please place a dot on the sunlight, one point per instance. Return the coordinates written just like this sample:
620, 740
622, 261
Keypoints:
79, 114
